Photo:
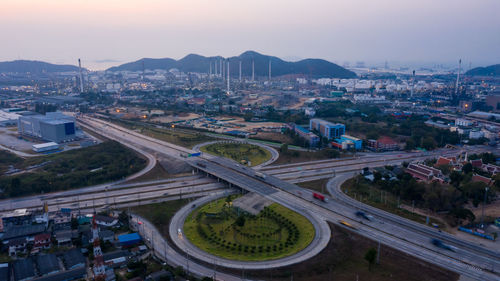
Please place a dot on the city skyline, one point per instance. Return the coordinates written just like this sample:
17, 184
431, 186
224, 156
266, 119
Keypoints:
113, 32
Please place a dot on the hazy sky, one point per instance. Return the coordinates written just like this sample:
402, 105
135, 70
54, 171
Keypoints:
108, 32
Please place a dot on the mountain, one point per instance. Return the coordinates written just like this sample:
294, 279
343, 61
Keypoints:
23, 66
492, 70
279, 67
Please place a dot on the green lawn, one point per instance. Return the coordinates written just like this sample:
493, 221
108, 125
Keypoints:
274, 233
240, 152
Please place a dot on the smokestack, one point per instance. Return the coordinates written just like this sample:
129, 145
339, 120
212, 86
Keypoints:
81, 76
228, 76
253, 70
221, 69
269, 69
412, 83
458, 75
143, 70
240, 71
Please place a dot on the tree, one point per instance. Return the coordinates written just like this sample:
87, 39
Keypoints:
370, 256
284, 148
467, 168
74, 223
240, 221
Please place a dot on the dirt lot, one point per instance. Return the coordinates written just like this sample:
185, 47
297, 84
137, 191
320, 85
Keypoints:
172, 118
275, 137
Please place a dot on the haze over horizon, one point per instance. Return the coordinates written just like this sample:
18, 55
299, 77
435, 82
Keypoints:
108, 33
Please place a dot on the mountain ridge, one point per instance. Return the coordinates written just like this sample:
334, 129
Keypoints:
491, 70
34, 66
199, 63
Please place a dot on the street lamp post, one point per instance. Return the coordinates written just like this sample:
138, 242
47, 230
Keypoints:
484, 203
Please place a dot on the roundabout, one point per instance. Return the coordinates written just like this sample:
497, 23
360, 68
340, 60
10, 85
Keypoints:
227, 231
212, 230
253, 154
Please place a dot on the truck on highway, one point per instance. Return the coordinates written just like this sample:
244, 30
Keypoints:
440, 244
320, 197
260, 175
201, 164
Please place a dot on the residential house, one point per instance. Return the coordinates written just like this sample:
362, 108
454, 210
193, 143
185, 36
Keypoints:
42, 241
17, 245
63, 236
106, 220
106, 235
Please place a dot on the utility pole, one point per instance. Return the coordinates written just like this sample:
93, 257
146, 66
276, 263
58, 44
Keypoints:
484, 203
378, 252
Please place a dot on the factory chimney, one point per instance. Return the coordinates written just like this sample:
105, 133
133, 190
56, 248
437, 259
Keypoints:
143, 70
81, 76
240, 71
412, 83
227, 70
458, 75
269, 69
253, 70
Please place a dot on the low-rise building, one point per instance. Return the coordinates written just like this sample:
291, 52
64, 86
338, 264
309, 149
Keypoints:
74, 259
42, 241
17, 246
424, 172
23, 269
106, 220
47, 264
383, 144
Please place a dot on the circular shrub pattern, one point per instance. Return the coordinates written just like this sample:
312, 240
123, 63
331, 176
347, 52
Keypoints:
228, 232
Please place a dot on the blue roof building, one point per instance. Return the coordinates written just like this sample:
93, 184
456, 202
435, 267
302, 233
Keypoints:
129, 239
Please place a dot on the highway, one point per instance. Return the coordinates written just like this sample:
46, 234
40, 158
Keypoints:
245, 177
400, 235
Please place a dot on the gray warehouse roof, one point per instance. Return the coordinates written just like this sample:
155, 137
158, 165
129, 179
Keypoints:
47, 264
23, 269
22, 231
73, 258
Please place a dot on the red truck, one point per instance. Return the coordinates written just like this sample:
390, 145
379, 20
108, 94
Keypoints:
320, 197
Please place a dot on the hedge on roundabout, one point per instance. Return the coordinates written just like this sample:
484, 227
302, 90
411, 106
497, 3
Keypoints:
226, 231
